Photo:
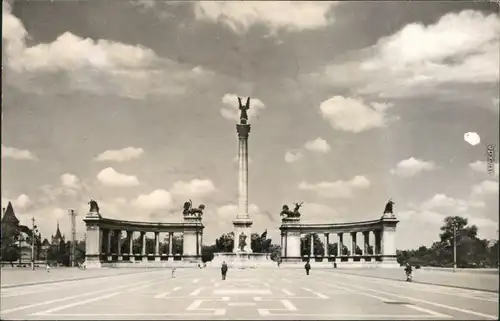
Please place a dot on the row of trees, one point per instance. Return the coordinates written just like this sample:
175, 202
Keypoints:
471, 251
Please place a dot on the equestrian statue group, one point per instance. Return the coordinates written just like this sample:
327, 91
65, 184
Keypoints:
190, 211
291, 214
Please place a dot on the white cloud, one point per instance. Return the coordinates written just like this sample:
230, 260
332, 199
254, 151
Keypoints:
292, 157
459, 48
411, 167
120, 155
193, 189
157, 199
70, 180
441, 201
19, 154
318, 145
102, 66
353, 115
337, 189
231, 109
110, 177
482, 167
485, 188
288, 15
22, 202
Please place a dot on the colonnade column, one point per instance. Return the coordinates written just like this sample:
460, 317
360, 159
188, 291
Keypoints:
354, 236
366, 247
378, 242
311, 254
130, 237
282, 243
119, 244
143, 244
340, 244
157, 246
108, 244
325, 243
170, 246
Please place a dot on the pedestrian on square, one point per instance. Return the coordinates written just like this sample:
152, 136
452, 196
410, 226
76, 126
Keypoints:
47, 267
223, 270
307, 267
173, 273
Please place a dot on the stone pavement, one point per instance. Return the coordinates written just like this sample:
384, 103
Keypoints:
474, 281
25, 276
265, 294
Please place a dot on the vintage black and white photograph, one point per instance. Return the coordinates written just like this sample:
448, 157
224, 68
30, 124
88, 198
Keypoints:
250, 160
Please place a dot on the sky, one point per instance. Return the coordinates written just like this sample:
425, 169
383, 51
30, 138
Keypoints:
134, 104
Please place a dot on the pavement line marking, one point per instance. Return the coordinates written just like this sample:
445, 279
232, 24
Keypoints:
195, 306
128, 314
439, 289
320, 295
67, 306
287, 281
428, 311
65, 298
287, 292
289, 305
242, 304
242, 291
264, 312
196, 292
196, 280
164, 294
484, 315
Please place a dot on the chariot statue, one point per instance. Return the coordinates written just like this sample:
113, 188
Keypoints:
291, 214
94, 207
190, 211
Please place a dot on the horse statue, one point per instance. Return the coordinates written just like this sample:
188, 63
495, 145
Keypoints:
94, 207
190, 211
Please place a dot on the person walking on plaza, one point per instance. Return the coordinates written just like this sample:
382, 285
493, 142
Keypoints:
173, 273
307, 267
47, 267
223, 270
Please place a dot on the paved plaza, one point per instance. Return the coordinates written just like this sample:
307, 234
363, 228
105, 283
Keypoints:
269, 293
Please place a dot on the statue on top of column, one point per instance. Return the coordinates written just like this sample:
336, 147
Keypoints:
94, 207
243, 109
295, 213
190, 211
388, 207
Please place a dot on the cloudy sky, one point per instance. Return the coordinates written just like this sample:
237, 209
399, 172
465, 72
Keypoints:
133, 103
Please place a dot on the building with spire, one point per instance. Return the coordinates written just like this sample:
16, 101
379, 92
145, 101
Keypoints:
58, 238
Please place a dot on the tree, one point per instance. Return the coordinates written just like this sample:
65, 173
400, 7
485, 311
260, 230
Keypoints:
275, 251
207, 252
306, 245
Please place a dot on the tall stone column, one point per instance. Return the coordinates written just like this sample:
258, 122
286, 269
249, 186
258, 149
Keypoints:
340, 244
243, 223
118, 234
130, 236
157, 246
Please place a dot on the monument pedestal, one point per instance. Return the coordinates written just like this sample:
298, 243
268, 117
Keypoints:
242, 226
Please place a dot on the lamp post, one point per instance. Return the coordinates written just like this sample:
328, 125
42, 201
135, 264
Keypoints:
454, 225
34, 232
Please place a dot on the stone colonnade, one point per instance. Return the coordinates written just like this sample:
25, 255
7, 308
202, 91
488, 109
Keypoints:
105, 236
382, 231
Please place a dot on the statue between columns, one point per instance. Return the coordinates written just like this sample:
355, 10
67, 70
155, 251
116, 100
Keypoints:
190, 211
286, 211
94, 207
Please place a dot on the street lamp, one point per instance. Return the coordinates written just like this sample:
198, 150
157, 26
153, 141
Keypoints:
454, 225
34, 232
